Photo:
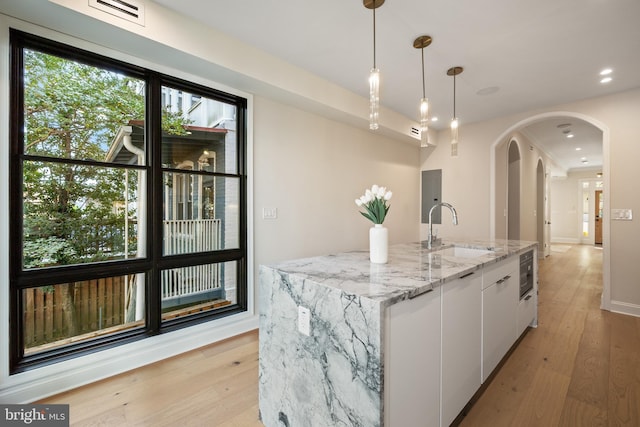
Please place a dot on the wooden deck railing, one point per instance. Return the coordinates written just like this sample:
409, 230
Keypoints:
189, 236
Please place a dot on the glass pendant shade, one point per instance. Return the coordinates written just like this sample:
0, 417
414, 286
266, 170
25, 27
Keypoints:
374, 98
424, 122
374, 74
454, 137
420, 43
454, 71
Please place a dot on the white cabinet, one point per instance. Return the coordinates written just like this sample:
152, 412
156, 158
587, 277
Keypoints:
461, 344
440, 346
412, 362
500, 295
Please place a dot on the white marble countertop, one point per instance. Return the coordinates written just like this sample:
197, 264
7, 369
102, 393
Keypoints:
411, 270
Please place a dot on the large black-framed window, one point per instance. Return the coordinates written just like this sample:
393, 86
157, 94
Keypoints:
127, 202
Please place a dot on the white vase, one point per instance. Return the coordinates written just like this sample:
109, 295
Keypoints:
378, 244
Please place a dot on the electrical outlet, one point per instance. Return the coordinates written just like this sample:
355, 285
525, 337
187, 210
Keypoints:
304, 320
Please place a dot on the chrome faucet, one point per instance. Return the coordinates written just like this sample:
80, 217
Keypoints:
431, 238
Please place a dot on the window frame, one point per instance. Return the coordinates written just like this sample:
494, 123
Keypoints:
154, 261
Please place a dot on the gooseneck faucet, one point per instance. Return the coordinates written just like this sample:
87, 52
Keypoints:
431, 238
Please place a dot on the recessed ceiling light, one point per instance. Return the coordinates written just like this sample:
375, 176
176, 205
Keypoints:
606, 72
564, 125
570, 135
584, 162
434, 119
578, 148
606, 80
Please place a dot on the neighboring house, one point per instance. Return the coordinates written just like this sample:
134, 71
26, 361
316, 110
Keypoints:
194, 208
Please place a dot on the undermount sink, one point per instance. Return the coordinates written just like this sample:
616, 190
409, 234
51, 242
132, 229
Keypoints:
463, 252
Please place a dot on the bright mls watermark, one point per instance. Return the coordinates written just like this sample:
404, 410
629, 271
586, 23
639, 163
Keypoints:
34, 415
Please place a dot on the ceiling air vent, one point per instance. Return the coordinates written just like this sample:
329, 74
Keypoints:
415, 132
131, 10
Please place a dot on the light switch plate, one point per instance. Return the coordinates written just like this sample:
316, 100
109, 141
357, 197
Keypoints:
269, 213
622, 214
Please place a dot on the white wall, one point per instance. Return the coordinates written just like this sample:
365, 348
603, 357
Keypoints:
566, 212
312, 169
471, 203
465, 184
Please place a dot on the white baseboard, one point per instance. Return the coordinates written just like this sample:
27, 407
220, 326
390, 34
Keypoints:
42, 382
625, 308
565, 240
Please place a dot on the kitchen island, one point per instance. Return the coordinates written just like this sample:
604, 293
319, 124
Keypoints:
344, 342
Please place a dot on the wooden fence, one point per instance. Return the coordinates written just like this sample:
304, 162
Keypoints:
54, 313
64, 313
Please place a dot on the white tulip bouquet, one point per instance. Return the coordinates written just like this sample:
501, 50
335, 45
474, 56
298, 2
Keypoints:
375, 204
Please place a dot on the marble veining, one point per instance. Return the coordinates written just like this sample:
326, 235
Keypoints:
412, 268
334, 376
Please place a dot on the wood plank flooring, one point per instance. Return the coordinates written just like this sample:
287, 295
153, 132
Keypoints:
580, 367
216, 385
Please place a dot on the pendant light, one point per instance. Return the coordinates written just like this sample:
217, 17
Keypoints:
454, 71
374, 74
420, 43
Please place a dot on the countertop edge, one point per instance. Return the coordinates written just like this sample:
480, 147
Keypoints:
464, 266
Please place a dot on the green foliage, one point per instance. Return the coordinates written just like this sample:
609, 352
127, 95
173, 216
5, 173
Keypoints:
376, 210
75, 213
40, 251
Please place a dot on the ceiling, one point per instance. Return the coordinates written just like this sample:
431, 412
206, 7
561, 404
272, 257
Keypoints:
573, 144
517, 55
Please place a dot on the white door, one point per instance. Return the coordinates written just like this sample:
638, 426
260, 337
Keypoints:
547, 216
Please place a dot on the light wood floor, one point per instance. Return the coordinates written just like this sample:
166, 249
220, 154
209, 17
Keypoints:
580, 367
216, 385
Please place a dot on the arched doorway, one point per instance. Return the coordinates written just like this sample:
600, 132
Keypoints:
513, 192
498, 172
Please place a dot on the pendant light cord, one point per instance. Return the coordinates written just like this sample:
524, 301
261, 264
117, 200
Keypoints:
423, 78
374, 33
454, 96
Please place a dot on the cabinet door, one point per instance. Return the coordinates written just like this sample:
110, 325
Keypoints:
527, 312
499, 318
461, 344
412, 362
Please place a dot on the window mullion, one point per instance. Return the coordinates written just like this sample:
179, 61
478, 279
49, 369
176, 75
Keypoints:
154, 198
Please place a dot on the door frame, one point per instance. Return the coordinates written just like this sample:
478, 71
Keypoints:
597, 217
